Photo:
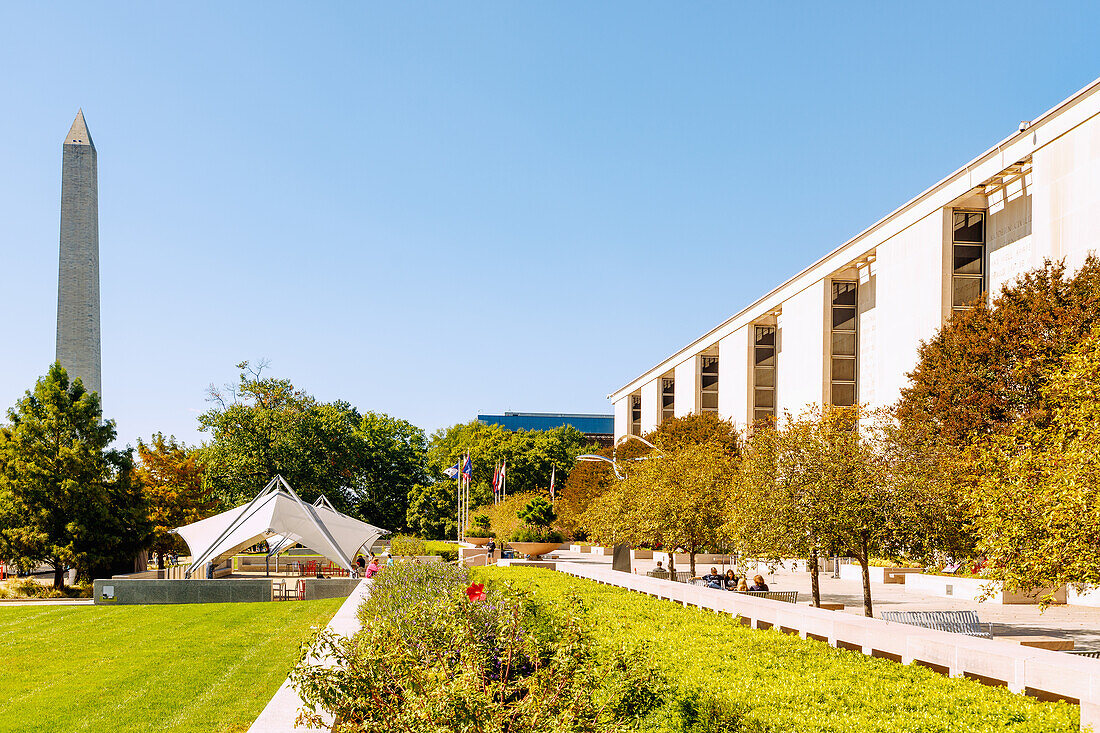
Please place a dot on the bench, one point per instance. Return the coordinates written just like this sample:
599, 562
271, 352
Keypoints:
787, 596
680, 576
956, 622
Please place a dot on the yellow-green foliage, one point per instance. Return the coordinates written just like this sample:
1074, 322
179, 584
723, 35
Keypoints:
404, 544
30, 588
447, 550
769, 681
503, 517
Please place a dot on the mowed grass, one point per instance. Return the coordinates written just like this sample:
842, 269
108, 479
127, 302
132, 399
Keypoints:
777, 682
196, 667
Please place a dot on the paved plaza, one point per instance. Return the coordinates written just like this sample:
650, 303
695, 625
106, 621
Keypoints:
1079, 623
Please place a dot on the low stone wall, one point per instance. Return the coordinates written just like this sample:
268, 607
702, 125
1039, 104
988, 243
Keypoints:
130, 591
971, 589
877, 574
1082, 598
1038, 672
329, 588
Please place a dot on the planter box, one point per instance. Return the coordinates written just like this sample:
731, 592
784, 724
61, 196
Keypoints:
533, 549
580, 548
641, 554
477, 541
970, 589
877, 574
598, 550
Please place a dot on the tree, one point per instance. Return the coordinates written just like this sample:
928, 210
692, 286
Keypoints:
531, 454
589, 480
66, 498
432, 511
773, 502
695, 429
171, 478
1037, 497
365, 464
987, 367
675, 499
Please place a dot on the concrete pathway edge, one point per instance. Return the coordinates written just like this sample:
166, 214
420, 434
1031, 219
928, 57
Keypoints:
279, 713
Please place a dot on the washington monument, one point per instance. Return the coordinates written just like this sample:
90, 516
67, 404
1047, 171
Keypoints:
78, 275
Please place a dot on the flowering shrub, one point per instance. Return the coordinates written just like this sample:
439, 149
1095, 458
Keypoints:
430, 659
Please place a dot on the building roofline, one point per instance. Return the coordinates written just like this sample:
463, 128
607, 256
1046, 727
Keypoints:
761, 303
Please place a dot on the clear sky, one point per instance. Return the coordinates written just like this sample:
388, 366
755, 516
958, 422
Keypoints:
433, 210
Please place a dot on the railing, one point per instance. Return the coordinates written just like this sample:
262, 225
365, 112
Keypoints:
1037, 672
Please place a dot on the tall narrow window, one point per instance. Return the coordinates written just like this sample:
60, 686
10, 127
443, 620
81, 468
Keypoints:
763, 373
636, 415
668, 398
844, 344
708, 384
968, 258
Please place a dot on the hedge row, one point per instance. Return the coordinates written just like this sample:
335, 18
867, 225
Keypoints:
770, 681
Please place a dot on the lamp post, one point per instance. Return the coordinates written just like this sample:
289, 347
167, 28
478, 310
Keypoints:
619, 474
621, 557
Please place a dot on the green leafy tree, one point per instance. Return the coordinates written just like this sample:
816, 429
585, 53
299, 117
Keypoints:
674, 499
531, 454
365, 464
433, 510
988, 366
1037, 497
66, 498
171, 478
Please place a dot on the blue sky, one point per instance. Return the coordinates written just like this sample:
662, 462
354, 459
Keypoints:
433, 210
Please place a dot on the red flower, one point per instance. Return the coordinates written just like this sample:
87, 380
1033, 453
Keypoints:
476, 592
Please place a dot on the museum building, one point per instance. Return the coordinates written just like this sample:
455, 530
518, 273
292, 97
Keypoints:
846, 329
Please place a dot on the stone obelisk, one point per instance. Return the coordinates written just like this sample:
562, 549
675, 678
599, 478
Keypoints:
78, 275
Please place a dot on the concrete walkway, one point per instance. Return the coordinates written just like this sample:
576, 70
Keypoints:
1079, 623
279, 714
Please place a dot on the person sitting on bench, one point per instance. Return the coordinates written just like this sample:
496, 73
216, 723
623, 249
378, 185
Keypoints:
713, 579
758, 584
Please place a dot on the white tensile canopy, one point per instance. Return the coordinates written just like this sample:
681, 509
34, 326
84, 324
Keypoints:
278, 513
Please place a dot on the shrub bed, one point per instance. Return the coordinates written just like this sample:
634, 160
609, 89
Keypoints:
726, 677
437, 654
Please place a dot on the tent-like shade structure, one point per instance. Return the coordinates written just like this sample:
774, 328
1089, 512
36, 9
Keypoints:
278, 512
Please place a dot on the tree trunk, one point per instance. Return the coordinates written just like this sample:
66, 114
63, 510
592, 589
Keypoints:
691, 557
672, 565
160, 560
58, 575
815, 587
864, 564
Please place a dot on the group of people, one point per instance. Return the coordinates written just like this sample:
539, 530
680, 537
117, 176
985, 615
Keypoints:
730, 581
363, 569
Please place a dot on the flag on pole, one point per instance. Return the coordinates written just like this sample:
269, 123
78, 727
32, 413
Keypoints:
453, 470
503, 479
552, 470
467, 469
496, 483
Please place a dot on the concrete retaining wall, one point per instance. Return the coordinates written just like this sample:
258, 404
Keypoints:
1042, 673
329, 588
127, 591
877, 574
971, 589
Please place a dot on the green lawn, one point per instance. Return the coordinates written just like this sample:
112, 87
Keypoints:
773, 682
201, 667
